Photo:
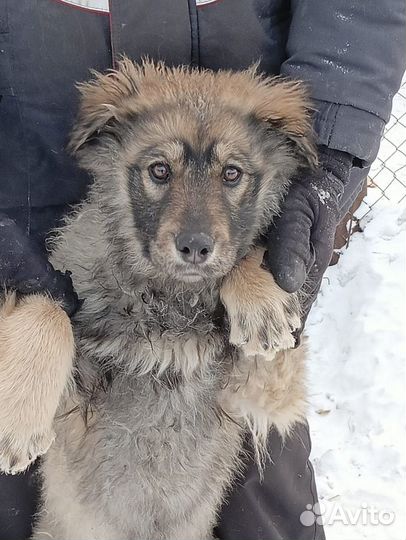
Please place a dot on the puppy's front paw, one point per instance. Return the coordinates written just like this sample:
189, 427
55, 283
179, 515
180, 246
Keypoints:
262, 316
36, 358
18, 449
266, 328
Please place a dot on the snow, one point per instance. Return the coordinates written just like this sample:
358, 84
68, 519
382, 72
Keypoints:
357, 380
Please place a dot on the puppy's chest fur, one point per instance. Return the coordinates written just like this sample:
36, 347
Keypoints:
150, 367
164, 450
157, 329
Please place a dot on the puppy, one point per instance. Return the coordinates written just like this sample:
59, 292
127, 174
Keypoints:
181, 344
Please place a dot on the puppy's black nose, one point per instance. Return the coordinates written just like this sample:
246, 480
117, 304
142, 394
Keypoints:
194, 248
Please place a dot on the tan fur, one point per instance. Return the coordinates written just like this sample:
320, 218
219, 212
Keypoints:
36, 356
138, 87
267, 395
267, 386
255, 303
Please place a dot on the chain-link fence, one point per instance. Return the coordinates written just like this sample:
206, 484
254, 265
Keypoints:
387, 177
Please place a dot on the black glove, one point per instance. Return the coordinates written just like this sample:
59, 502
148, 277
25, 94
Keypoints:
25, 268
300, 241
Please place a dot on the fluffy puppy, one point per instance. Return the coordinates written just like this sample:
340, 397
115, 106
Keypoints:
177, 341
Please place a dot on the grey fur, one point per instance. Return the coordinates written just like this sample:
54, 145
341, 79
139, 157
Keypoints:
156, 458
143, 449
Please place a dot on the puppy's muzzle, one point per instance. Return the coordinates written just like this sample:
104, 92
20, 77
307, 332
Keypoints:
194, 247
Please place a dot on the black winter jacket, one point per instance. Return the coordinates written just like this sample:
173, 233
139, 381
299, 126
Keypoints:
350, 54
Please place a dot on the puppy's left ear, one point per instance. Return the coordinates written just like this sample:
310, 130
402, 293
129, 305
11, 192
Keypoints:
286, 107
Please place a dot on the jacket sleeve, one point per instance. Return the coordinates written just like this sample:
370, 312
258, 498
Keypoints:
25, 267
351, 54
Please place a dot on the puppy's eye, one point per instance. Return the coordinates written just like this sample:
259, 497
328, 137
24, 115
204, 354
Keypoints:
160, 172
231, 175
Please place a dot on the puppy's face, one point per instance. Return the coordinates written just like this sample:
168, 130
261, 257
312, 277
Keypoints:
188, 174
200, 184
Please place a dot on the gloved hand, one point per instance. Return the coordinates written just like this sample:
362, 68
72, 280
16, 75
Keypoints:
300, 241
25, 268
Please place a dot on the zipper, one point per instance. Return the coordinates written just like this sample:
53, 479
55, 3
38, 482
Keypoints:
112, 47
194, 34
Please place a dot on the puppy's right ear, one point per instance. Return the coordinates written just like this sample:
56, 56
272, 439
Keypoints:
104, 100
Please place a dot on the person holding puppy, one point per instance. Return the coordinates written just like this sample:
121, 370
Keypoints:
339, 50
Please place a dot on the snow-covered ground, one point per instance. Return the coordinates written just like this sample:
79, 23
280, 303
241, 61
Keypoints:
357, 381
